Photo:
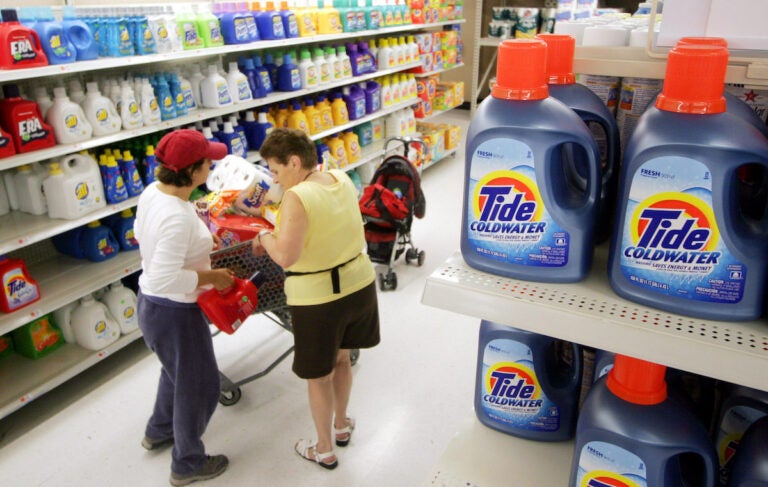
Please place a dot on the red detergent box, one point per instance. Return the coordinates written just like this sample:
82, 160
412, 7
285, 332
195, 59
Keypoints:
233, 229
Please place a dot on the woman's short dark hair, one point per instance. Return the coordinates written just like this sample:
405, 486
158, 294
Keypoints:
181, 178
283, 143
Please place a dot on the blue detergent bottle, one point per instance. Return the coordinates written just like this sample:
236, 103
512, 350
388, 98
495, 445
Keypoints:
53, 38
683, 242
233, 25
595, 114
741, 409
288, 78
270, 23
79, 34
131, 176
522, 217
240, 130
750, 468
290, 23
629, 433
68, 243
249, 70
165, 98
114, 185
141, 34
232, 140
250, 21
260, 132
150, 165
123, 230
98, 242
263, 78
527, 384
271, 67
179, 99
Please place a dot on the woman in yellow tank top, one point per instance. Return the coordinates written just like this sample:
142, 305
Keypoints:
330, 283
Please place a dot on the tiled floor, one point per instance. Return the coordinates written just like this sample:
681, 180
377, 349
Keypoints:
411, 394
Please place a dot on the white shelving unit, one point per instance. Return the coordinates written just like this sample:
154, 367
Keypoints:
438, 71
63, 279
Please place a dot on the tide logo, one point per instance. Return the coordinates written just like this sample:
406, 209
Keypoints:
674, 227
81, 191
15, 285
507, 202
512, 385
602, 478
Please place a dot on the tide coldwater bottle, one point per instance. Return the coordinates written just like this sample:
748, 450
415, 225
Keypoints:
522, 217
527, 384
630, 433
682, 241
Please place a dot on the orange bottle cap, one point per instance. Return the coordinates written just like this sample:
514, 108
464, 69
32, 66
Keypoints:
702, 41
521, 70
560, 50
695, 79
637, 381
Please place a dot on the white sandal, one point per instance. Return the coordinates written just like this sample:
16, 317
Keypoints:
305, 447
347, 430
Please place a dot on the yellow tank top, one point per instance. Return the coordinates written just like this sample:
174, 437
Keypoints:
334, 236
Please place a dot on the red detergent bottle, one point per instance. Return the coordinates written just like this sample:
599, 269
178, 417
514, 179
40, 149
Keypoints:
23, 120
20, 46
228, 309
19, 289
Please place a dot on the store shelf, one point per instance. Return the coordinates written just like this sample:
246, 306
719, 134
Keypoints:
478, 456
64, 279
197, 54
438, 71
589, 313
436, 113
445, 155
25, 379
18, 229
372, 116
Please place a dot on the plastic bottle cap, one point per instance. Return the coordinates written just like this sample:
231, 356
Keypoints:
521, 70
560, 50
150, 150
694, 80
126, 213
637, 381
54, 169
60, 92
127, 155
703, 41
93, 224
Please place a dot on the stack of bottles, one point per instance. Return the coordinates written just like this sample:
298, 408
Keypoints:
685, 251
429, 11
99, 240
439, 50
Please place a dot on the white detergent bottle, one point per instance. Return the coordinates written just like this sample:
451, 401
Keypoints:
63, 317
29, 190
76, 93
43, 100
238, 85
195, 78
130, 112
186, 89
93, 326
67, 119
121, 303
215, 90
150, 110
73, 187
10, 189
5, 206
100, 111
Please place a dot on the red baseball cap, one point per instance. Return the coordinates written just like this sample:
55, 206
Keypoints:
184, 147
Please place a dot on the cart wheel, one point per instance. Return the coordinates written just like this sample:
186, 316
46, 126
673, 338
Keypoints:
420, 258
230, 397
411, 255
382, 282
354, 355
392, 280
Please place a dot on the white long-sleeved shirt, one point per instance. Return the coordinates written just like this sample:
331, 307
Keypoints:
174, 243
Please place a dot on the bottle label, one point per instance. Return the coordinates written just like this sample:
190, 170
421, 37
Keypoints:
125, 46
507, 220
58, 48
293, 26
277, 27
311, 76
253, 29
22, 50
603, 464
222, 91
83, 195
31, 130
346, 68
671, 243
360, 108
243, 90
215, 31
266, 82
102, 118
736, 420
325, 73
511, 393
72, 124
105, 247
237, 147
18, 290
241, 30
191, 39
296, 79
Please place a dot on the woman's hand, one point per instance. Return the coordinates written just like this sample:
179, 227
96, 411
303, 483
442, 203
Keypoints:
216, 241
221, 279
257, 245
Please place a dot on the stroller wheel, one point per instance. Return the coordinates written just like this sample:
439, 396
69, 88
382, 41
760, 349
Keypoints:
230, 397
411, 255
421, 257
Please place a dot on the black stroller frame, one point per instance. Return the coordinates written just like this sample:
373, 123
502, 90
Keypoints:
401, 227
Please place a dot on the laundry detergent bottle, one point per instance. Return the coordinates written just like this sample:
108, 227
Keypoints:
24, 122
93, 326
601, 122
682, 241
522, 217
741, 409
20, 45
19, 288
629, 433
750, 469
121, 303
73, 187
527, 384
67, 118
100, 111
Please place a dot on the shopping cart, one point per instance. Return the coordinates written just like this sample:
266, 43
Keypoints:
240, 259
271, 303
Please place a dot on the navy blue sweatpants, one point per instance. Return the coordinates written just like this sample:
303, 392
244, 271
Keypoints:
189, 380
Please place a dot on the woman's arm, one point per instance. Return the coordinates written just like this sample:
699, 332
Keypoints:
285, 247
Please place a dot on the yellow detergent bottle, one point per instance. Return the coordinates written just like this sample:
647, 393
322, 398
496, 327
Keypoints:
326, 112
339, 110
329, 20
338, 151
297, 119
281, 119
352, 146
314, 119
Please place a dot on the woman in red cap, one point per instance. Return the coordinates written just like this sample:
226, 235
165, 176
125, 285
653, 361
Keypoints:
330, 283
175, 247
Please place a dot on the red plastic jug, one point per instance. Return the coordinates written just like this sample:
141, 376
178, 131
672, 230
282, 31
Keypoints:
229, 308
22, 119
19, 289
19, 45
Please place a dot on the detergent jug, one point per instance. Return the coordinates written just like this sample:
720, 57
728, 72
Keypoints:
93, 326
73, 187
19, 288
750, 468
228, 309
20, 45
98, 243
70, 125
100, 111
741, 409
24, 121
121, 303
28, 183
37, 338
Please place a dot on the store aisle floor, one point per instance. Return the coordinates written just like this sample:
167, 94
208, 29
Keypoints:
411, 393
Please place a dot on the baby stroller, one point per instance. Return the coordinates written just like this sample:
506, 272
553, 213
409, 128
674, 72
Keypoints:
388, 206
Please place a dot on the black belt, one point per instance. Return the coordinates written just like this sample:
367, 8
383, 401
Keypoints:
333, 270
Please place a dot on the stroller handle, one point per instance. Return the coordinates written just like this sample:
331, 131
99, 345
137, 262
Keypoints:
406, 142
